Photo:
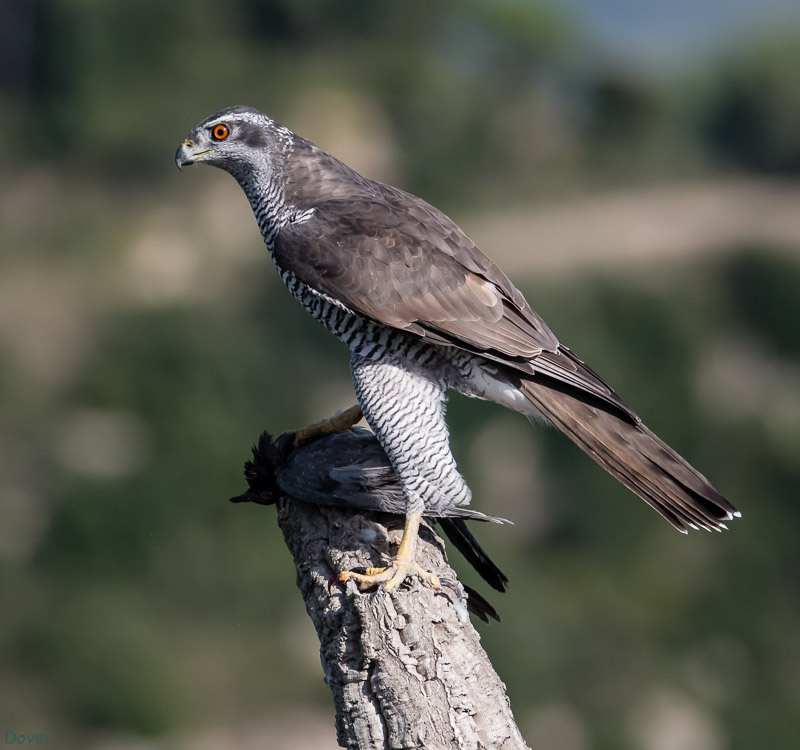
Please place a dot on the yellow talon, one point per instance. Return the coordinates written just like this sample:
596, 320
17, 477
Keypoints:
401, 567
337, 423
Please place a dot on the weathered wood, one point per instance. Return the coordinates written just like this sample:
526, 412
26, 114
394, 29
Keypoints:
406, 668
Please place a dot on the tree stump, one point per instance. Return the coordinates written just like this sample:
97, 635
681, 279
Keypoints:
406, 668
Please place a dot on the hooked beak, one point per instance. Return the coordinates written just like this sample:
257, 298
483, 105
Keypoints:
186, 154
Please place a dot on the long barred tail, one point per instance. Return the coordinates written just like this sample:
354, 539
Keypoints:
629, 451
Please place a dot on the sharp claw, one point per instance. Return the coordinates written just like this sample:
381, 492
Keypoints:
460, 604
452, 585
344, 576
456, 588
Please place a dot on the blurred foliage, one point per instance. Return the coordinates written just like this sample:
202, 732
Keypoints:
147, 354
474, 92
494, 91
753, 118
768, 304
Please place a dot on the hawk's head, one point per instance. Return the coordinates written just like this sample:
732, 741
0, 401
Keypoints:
237, 139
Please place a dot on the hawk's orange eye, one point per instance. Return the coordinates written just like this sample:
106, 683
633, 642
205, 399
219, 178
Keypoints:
220, 132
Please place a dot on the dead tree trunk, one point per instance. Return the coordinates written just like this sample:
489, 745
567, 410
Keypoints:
406, 668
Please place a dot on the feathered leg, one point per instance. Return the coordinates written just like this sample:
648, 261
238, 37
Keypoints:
405, 410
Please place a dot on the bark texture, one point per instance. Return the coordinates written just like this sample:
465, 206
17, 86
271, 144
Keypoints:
406, 668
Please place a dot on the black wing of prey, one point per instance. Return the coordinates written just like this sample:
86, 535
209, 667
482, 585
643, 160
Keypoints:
394, 259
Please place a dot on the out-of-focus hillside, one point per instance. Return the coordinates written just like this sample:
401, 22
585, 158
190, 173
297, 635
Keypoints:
651, 215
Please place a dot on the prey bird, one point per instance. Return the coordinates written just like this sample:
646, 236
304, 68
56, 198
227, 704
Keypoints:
423, 310
349, 469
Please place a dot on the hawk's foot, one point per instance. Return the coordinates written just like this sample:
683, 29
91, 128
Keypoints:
340, 422
391, 576
401, 566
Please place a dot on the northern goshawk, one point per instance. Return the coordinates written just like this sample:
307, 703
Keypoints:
423, 310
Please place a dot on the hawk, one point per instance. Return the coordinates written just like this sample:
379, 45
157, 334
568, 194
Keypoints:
423, 310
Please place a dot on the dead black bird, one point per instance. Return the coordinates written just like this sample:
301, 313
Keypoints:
350, 470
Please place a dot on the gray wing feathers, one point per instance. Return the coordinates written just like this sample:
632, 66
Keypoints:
392, 257
429, 279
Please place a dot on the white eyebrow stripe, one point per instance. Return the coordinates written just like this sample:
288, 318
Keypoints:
253, 118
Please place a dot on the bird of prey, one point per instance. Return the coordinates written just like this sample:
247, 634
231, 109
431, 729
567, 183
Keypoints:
349, 469
423, 310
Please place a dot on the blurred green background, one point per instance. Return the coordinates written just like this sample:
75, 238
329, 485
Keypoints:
636, 172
